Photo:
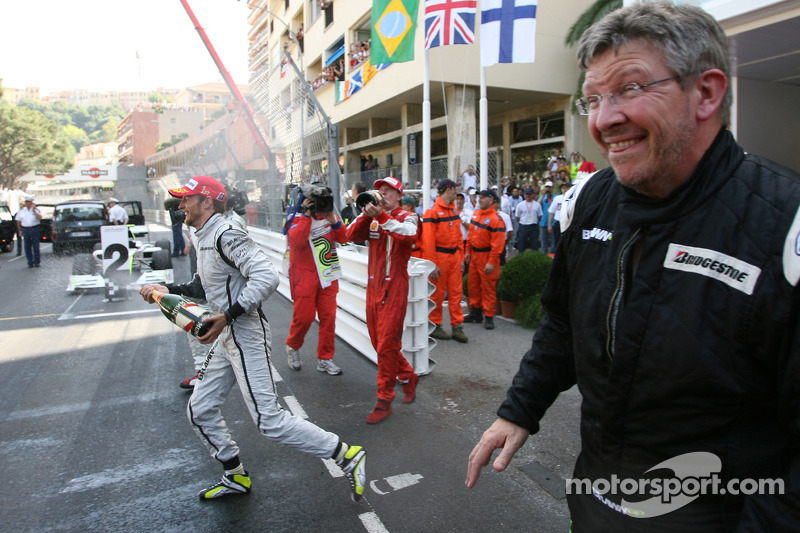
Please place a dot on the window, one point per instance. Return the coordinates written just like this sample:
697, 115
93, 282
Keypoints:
329, 14
539, 128
313, 11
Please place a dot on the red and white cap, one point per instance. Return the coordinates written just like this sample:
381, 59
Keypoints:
204, 185
392, 182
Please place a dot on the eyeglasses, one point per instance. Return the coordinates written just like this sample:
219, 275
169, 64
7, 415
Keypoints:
619, 96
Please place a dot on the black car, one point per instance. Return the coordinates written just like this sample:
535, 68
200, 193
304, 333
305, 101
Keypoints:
8, 228
45, 231
77, 224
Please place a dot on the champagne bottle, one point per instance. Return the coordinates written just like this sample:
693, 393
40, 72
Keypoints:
185, 314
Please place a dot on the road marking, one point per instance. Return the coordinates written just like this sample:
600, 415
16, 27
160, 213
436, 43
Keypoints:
67, 312
84, 406
369, 520
175, 458
276, 377
295, 407
102, 315
402, 481
372, 523
30, 316
333, 468
42, 248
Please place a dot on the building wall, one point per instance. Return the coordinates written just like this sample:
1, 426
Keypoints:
763, 128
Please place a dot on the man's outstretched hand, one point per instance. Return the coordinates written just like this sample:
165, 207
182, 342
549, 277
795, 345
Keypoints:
502, 434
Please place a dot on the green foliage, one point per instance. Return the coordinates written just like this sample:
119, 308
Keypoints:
75, 136
107, 133
156, 98
98, 123
174, 140
28, 141
523, 276
593, 13
529, 311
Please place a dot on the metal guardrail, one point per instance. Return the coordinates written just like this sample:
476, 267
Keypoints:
351, 317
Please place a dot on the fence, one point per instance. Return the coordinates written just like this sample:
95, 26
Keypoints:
281, 141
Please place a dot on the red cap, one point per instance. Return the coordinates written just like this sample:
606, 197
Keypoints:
394, 183
205, 185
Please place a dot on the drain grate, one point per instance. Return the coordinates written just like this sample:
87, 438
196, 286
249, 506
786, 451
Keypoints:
549, 481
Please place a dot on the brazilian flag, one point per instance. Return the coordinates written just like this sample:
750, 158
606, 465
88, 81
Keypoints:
393, 26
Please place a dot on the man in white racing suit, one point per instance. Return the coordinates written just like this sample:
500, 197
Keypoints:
235, 276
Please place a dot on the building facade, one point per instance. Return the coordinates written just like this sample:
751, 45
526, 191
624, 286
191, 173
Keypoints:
529, 105
149, 126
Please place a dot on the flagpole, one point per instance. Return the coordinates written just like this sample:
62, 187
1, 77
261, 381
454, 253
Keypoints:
426, 133
484, 132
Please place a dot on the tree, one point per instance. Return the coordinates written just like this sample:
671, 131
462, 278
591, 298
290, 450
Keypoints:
75, 136
28, 141
105, 134
98, 122
593, 14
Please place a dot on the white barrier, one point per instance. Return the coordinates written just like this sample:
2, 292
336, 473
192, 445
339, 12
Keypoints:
351, 317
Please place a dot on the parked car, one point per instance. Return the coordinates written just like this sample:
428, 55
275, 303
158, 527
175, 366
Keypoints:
8, 228
45, 229
76, 224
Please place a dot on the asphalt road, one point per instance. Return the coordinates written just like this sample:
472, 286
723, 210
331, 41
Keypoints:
96, 438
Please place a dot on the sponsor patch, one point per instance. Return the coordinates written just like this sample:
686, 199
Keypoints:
192, 184
373, 230
596, 234
710, 263
791, 252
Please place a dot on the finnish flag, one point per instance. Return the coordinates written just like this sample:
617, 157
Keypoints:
508, 31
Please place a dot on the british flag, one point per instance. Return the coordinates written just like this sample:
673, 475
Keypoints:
449, 22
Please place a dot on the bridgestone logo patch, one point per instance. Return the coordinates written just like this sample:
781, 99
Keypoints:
729, 270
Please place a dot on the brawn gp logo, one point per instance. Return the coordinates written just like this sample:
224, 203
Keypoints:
597, 234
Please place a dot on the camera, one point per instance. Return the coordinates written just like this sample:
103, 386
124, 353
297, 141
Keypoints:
176, 216
320, 196
237, 200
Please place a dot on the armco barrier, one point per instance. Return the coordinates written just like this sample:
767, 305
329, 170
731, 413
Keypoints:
351, 324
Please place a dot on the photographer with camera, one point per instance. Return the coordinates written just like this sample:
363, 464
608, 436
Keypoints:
176, 218
313, 273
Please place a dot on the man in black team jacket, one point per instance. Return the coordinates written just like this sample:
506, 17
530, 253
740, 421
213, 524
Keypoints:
673, 301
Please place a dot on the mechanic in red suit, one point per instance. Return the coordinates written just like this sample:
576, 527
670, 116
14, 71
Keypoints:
313, 273
391, 232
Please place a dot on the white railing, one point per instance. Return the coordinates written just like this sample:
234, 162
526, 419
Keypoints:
351, 324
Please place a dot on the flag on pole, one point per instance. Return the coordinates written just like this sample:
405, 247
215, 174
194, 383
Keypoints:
393, 26
449, 22
508, 31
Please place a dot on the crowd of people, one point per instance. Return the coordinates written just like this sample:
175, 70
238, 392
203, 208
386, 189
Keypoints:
359, 52
677, 320
329, 74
